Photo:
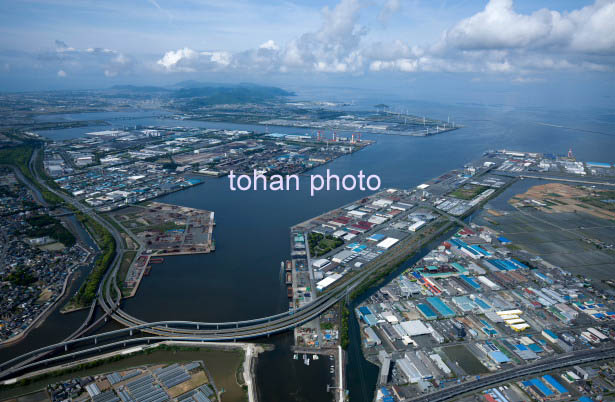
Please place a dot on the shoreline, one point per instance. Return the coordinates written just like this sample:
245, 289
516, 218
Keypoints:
248, 369
40, 319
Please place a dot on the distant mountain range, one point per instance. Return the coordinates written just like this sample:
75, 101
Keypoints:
203, 94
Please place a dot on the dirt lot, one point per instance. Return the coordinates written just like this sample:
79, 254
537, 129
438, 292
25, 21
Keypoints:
557, 197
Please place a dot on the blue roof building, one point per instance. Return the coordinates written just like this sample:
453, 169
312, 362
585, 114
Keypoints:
370, 319
441, 307
541, 387
426, 311
470, 281
498, 357
555, 384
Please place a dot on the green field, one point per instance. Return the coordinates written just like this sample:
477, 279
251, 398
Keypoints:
468, 191
320, 244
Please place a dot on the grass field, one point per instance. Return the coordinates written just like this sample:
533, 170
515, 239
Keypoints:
468, 191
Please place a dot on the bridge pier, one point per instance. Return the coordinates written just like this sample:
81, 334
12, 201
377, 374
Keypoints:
217, 326
131, 332
95, 341
198, 326
66, 348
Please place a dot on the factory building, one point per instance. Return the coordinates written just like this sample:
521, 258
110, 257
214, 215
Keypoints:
549, 335
408, 369
415, 328
385, 361
371, 338
441, 307
426, 311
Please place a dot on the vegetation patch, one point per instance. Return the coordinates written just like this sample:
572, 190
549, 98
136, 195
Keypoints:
468, 191
320, 244
87, 291
45, 225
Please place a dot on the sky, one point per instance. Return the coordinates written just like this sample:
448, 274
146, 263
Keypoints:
537, 51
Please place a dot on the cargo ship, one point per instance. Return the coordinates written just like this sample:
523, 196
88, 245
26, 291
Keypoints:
289, 266
156, 260
289, 278
290, 292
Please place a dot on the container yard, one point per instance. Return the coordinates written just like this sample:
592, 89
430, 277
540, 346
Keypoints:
162, 230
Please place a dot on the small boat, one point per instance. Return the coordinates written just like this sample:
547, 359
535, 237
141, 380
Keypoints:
314, 357
307, 362
295, 356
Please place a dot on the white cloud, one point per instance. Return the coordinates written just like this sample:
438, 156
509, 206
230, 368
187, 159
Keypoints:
171, 59
189, 60
495, 40
269, 45
61, 47
499, 40
92, 59
390, 7
61, 73
499, 26
527, 80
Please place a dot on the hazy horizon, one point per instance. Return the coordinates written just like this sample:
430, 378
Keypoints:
539, 53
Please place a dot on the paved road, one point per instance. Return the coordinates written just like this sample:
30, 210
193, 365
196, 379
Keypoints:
580, 357
203, 331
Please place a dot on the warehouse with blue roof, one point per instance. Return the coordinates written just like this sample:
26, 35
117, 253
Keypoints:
498, 357
426, 311
482, 304
504, 240
470, 281
442, 308
541, 387
559, 388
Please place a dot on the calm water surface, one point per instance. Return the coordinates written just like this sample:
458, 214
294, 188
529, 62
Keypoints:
242, 279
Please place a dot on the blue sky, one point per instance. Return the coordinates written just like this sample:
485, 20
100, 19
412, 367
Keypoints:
413, 44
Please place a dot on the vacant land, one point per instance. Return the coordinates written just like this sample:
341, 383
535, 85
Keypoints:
553, 221
165, 229
468, 191
557, 197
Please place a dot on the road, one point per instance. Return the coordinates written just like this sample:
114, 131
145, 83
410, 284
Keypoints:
226, 331
232, 331
579, 357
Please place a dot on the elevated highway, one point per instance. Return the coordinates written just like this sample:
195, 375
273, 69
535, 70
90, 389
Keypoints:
579, 357
108, 297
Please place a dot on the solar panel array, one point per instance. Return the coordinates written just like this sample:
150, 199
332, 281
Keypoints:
172, 375
200, 394
192, 366
107, 396
145, 390
115, 377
